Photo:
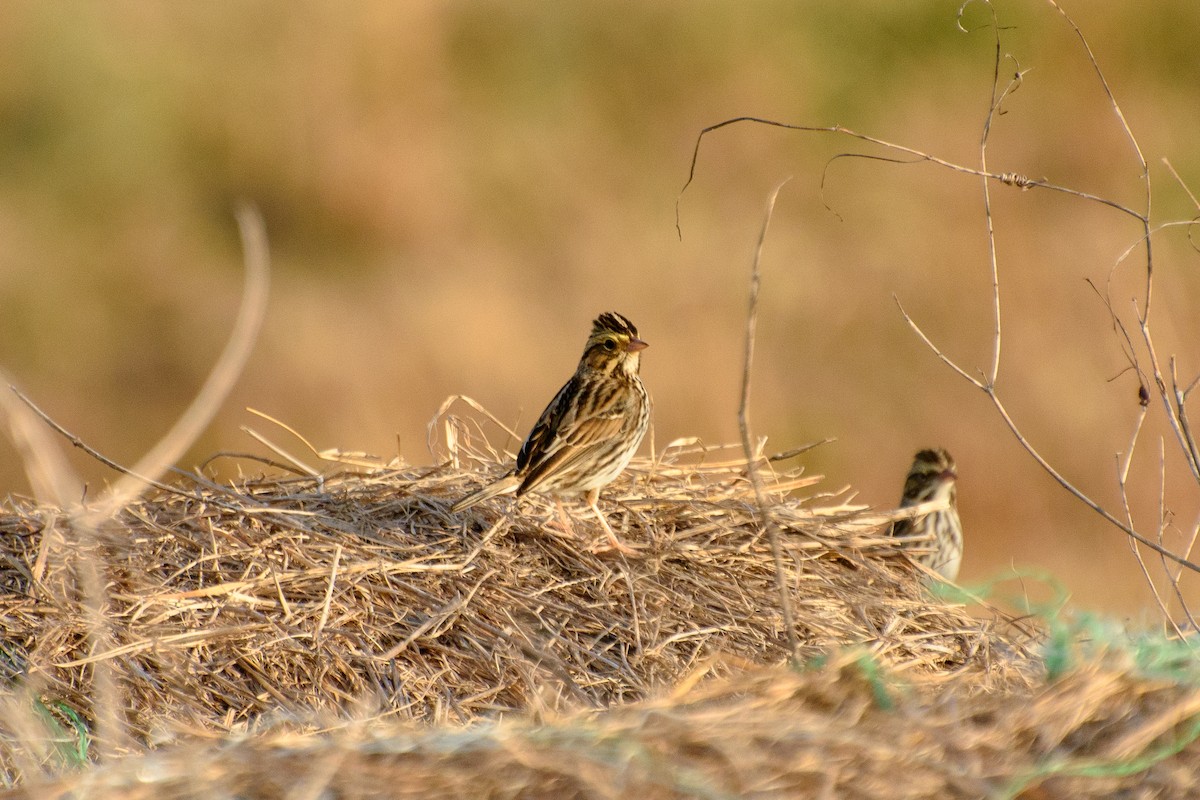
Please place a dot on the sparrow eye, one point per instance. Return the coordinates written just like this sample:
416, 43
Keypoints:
610, 345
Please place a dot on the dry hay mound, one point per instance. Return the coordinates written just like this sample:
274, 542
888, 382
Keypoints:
346, 637
844, 731
224, 602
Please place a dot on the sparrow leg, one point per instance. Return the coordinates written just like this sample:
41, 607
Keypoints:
593, 497
563, 519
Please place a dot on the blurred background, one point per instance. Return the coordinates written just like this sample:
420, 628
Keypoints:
454, 190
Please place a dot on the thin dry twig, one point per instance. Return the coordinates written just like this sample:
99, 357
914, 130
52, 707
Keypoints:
785, 601
51, 477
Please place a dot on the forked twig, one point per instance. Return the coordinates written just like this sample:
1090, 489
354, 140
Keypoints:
1045, 465
918, 157
1172, 397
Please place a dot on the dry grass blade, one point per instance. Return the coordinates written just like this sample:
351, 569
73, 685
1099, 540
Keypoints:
752, 457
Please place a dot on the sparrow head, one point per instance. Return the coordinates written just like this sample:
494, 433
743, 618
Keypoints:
613, 345
932, 475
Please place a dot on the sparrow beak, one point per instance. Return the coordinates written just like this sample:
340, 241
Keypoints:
635, 345
948, 475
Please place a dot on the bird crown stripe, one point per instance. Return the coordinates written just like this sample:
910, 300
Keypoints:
612, 321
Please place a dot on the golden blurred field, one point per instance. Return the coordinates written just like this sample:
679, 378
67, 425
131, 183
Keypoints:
454, 190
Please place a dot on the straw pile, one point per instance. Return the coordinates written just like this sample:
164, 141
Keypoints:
772, 733
497, 641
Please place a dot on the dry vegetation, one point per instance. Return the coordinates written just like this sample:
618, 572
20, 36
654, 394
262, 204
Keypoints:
453, 190
344, 637
335, 632
315, 592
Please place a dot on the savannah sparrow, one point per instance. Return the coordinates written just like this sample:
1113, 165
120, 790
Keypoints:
932, 477
591, 428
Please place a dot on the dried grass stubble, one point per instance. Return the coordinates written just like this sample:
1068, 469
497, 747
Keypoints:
224, 604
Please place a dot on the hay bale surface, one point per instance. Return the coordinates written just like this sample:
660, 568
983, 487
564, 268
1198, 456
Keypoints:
297, 635
771, 733
225, 602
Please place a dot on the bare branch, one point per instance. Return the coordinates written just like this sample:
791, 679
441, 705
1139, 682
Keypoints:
1163, 516
1007, 178
1079, 495
1142, 357
993, 107
1123, 474
1167, 397
934, 348
1187, 552
1185, 428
